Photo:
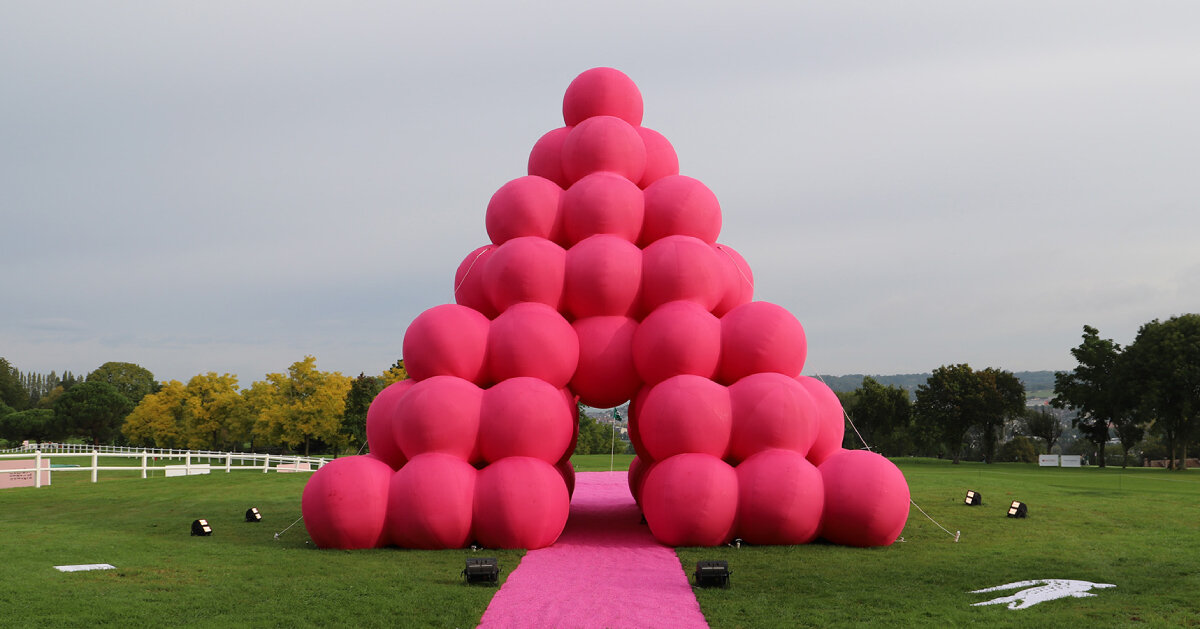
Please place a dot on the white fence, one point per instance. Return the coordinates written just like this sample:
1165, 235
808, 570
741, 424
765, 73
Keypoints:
151, 459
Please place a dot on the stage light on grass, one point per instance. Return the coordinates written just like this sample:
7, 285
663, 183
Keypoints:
1018, 509
712, 573
201, 528
481, 570
252, 515
973, 498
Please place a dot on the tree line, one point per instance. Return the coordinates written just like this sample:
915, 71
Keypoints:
1148, 390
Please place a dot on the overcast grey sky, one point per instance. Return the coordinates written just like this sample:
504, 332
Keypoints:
228, 186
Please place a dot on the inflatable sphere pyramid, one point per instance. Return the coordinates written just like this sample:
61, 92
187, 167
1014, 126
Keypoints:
604, 283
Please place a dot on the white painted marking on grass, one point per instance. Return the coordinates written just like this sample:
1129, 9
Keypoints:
85, 566
1047, 590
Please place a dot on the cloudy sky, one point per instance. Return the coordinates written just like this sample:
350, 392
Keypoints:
229, 186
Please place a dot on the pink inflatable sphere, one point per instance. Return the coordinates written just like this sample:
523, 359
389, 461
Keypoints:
685, 413
738, 280
545, 160
781, 497
447, 340
524, 417
866, 499
603, 277
526, 206
761, 336
661, 160
602, 92
567, 471
602, 203
771, 410
468, 282
603, 143
635, 477
679, 337
831, 421
691, 500
345, 503
681, 267
606, 376
440, 414
430, 501
525, 269
520, 502
381, 421
681, 206
532, 339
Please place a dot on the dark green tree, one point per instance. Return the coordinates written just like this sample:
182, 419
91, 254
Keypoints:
594, 437
1162, 366
92, 409
363, 390
1003, 398
35, 424
1092, 389
12, 392
882, 415
133, 381
1042, 424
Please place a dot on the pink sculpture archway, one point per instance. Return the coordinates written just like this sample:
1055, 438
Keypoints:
604, 282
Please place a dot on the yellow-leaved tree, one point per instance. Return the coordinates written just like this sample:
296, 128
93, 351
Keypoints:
158, 419
214, 413
304, 405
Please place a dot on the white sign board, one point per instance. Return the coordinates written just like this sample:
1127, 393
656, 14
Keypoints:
186, 470
1048, 460
1071, 460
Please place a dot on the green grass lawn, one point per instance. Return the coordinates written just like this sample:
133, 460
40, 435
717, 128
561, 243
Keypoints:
1138, 529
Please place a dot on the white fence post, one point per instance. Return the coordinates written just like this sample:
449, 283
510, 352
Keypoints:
266, 463
37, 464
228, 462
144, 457
95, 466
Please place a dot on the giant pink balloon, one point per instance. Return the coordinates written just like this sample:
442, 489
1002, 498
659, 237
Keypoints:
866, 499
771, 410
678, 337
345, 503
635, 476
691, 500
526, 206
524, 417
661, 160
738, 280
567, 471
532, 339
760, 336
603, 143
440, 414
685, 413
430, 501
447, 340
602, 92
680, 205
520, 502
468, 281
830, 419
545, 159
681, 267
381, 422
603, 277
781, 497
525, 269
606, 376
602, 203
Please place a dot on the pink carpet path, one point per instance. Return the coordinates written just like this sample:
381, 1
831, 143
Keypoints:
605, 571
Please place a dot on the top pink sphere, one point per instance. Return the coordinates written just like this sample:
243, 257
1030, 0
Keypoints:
602, 92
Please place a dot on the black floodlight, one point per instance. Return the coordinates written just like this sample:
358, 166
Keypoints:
252, 515
973, 498
712, 573
1018, 509
201, 528
482, 570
